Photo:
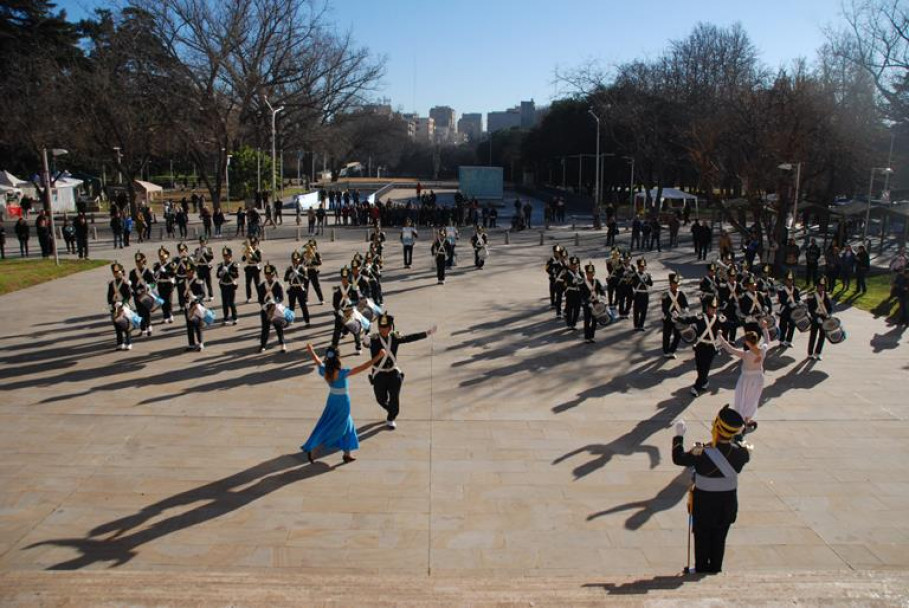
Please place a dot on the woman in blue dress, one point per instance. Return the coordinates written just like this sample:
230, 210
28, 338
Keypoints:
335, 428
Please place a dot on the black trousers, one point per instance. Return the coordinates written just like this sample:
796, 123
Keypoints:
611, 292
641, 303
205, 275
387, 388
339, 331
193, 329
709, 547
181, 293
229, 301
266, 328
476, 259
671, 337
166, 291
817, 339
408, 255
252, 280
123, 335
312, 280
144, 313
82, 247
787, 327
730, 328
590, 323
295, 294
703, 357
624, 294
572, 307
440, 268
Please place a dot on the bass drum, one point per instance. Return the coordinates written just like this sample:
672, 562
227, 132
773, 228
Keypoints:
602, 313
355, 322
833, 329
686, 330
369, 309
482, 253
801, 318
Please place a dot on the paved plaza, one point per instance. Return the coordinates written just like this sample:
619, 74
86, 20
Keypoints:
520, 451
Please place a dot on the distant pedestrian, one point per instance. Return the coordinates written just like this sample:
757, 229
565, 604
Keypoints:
862, 266
23, 233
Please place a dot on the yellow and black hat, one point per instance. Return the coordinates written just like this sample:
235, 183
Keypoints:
226, 251
574, 261
711, 267
713, 302
748, 279
789, 276
163, 253
202, 239
642, 263
386, 320
727, 424
295, 256
253, 241
140, 257
345, 273
269, 268
590, 269
312, 243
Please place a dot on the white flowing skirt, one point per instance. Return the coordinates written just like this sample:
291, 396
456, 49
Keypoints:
748, 393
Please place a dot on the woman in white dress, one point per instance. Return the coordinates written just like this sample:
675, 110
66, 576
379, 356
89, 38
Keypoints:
751, 380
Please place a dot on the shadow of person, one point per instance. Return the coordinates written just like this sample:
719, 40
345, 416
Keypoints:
631, 442
643, 586
117, 541
889, 340
802, 376
665, 499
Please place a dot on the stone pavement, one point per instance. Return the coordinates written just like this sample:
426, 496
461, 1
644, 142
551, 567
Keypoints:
520, 450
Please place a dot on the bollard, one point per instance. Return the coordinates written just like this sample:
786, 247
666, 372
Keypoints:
367, 236
160, 234
195, 232
299, 232
264, 234
57, 232
506, 237
573, 225
94, 233
541, 239
332, 235
577, 239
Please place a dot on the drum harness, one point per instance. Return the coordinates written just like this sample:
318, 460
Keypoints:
575, 280
822, 309
790, 297
380, 368
296, 279
224, 273
118, 297
726, 483
161, 273
675, 306
269, 287
751, 315
708, 331
592, 288
641, 278
344, 291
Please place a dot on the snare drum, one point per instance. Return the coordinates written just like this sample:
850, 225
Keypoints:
800, 317
125, 318
200, 314
602, 313
833, 329
355, 322
277, 315
150, 300
482, 253
369, 309
686, 331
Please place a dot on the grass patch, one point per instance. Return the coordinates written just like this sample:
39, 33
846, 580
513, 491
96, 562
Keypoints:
19, 274
876, 300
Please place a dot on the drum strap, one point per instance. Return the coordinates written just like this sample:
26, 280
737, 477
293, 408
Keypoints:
821, 308
675, 302
118, 297
790, 296
388, 356
708, 332
726, 483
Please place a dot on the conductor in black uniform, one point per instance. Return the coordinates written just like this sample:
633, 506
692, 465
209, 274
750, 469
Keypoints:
386, 375
714, 499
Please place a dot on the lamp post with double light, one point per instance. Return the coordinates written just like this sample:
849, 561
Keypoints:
885, 171
47, 198
274, 114
798, 180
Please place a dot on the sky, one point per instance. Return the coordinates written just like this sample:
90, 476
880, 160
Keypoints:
480, 56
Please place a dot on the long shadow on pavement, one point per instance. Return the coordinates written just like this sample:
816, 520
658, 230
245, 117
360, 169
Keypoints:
665, 499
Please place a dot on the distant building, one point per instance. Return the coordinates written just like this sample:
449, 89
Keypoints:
528, 114
424, 129
471, 126
379, 109
443, 116
497, 121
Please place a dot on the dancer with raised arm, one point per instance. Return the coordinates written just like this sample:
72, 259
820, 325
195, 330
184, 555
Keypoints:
750, 384
335, 428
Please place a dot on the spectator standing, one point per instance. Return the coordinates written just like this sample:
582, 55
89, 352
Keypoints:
311, 220
205, 214
147, 215
832, 266
847, 267
674, 226
82, 236
116, 227
862, 266
320, 219
127, 229
218, 220
279, 211
69, 235
635, 233
812, 261
23, 233
791, 257
241, 221
140, 226
182, 221
2, 241
43, 231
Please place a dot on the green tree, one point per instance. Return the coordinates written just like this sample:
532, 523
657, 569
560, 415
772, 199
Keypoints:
245, 169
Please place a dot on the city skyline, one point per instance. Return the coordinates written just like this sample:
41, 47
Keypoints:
487, 57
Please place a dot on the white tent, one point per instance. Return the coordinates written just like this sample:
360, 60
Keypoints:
11, 181
147, 191
669, 194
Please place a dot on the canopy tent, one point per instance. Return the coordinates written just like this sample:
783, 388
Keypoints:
147, 191
668, 194
11, 181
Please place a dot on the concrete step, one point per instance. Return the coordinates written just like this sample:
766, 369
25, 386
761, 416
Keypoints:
267, 589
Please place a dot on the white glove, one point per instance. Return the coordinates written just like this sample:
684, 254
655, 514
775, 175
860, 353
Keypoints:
680, 427
432, 330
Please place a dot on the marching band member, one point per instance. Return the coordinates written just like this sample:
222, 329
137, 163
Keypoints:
625, 291
360, 280
295, 277
439, 251
203, 257
193, 295
750, 384
252, 257
707, 328
228, 277
377, 239
409, 236
751, 306
590, 289
182, 262
118, 294
165, 271
767, 286
270, 292
641, 282
708, 287
554, 267
674, 304
789, 297
312, 261
714, 499
372, 269
479, 241
819, 307
729, 292
386, 376
142, 280
345, 296
571, 280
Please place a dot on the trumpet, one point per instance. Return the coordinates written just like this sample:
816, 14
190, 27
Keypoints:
308, 255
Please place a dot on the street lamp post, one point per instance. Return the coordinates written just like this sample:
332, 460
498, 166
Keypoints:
631, 184
227, 178
119, 156
798, 183
47, 198
885, 171
596, 187
274, 114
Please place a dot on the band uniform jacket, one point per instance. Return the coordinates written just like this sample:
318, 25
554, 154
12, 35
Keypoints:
711, 508
667, 305
228, 273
